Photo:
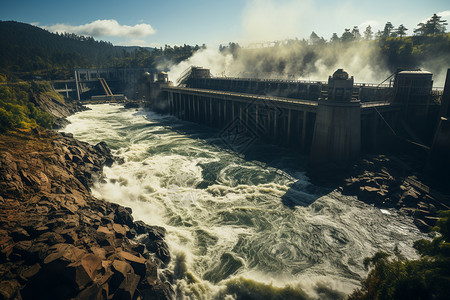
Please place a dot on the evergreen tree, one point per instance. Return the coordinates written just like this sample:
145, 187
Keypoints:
356, 33
368, 33
433, 26
347, 36
334, 38
387, 30
401, 30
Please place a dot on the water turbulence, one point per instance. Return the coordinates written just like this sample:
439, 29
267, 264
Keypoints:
230, 231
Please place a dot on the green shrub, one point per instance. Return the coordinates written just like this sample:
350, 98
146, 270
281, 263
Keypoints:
16, 110
398, 278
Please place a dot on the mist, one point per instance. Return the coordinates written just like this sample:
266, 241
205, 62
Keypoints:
301, 60
293, 60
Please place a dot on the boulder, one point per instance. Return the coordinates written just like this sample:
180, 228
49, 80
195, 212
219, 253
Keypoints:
127, 287
160, 249
136, 262
123, 216
82, 272
9, 289
121, 269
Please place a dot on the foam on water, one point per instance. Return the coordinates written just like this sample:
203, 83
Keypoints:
229, 230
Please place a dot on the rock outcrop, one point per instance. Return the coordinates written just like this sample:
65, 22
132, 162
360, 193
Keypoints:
59, 242
60, 108
387, 182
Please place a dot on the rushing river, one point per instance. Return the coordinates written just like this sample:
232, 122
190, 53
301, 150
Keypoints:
237, 225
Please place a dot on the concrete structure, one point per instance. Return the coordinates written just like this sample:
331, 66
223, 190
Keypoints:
88, 82
337, 131
439, 158
280, 120
333, 121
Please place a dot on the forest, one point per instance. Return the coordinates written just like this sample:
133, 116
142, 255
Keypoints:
27, 52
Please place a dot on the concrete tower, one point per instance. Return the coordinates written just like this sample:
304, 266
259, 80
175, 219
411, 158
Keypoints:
337, 131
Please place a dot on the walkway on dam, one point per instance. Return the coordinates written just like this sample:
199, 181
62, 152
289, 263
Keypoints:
290, 103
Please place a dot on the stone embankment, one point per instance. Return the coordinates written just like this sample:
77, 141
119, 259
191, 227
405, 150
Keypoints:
387, 182
59, 242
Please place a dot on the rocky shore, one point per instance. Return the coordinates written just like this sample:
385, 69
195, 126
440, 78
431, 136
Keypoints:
59, 242
386, 181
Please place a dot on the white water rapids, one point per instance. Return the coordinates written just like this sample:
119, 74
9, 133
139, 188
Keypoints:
237, 227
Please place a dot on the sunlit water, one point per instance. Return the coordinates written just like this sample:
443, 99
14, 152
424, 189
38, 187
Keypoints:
230, 231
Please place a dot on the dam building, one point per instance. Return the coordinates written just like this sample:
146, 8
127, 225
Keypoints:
333, 121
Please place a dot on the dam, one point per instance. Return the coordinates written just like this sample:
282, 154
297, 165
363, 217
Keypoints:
331, 121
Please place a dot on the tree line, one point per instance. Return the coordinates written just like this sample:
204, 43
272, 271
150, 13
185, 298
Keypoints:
385, 51
28, 52
433, 26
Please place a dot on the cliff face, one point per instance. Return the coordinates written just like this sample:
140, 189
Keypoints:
56, 105
59, 242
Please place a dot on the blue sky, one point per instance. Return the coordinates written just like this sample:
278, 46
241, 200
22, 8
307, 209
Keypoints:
156, 23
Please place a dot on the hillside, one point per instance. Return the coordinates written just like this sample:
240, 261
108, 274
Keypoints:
27, 51
30, 50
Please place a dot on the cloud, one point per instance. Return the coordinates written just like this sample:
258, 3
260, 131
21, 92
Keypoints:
372, 23
444, 14
100, 28
268, 20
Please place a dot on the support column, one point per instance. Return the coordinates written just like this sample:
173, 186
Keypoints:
288, 136
305, 119
224, 113
337, 130
246, 117
188, 115
256, 119
210, 112
219, 110
275, 128
198, 108
298, 130
205, 116
232, 110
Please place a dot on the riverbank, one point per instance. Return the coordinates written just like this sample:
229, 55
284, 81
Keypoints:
59, 242
388, 182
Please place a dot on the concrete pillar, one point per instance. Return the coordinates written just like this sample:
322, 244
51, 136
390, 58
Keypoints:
198, 108
205, 113
337, 131
240, 115
246, 117
445, 101
219, 110
224, 120
288, 134
256, 119
175, 106
275, 129
210, 112
299, 124
189, 110
183, 106
232, 110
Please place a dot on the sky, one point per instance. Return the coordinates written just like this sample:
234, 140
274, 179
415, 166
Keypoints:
155, 23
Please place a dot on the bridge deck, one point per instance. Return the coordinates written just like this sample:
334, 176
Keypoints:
295, 104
